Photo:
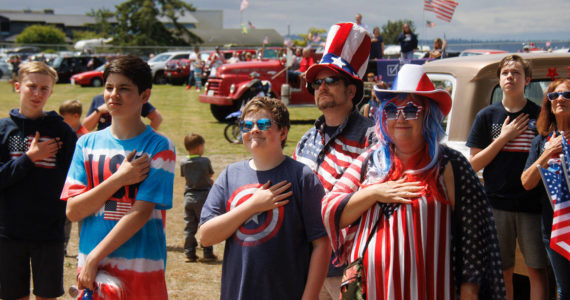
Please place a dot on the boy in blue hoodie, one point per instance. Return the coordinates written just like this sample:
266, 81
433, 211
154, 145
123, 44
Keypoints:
36, 148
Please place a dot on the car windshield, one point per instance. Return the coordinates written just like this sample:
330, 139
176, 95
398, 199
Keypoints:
101, 68
56, 62
159, 58
534, 91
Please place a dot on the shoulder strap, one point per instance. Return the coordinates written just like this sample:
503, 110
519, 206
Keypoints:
371, 234
363, 171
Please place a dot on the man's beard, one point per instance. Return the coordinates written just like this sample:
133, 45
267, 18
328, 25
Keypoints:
328, 103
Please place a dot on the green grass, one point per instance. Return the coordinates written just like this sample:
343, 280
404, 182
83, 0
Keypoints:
182, 114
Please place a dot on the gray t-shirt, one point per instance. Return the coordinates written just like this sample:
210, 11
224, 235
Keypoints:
197, 171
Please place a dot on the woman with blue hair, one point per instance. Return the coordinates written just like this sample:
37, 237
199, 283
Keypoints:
412, 211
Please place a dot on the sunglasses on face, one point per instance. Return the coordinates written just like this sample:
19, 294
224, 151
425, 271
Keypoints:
410, 111
327, 80
247, 126
554, 95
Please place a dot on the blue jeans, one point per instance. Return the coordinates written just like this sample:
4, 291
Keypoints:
561, 268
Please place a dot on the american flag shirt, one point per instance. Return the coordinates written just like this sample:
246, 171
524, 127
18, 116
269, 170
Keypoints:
423, 250
30, 208
139, 262
502, 175
328, 158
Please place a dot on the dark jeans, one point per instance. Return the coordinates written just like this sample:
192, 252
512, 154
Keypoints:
561, 268
193, 203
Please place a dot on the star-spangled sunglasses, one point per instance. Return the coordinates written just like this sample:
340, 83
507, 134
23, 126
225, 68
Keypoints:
327, 80
410, 111
262, 124
554, 95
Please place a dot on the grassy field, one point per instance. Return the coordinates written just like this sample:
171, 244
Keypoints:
182, 114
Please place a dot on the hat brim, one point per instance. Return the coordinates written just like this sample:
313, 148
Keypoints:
317, 68
441, 97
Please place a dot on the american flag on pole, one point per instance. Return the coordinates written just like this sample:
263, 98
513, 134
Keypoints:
443, 9
556, 181
243, 5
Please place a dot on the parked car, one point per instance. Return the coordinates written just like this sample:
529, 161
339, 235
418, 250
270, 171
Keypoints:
5, 68
178, 70
475, 52
89, 78
158, 64
473, 84
69, 66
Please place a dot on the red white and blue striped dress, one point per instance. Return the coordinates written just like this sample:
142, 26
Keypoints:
410, 256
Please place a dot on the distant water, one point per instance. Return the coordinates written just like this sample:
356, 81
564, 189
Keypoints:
509, 46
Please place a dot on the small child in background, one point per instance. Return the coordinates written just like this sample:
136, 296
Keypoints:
71, 111
198, 173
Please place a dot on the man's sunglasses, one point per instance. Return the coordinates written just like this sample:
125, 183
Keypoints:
410, 111
327, 80
262, 124
554, 95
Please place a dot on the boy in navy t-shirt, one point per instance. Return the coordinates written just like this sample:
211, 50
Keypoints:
267, 209
500, 140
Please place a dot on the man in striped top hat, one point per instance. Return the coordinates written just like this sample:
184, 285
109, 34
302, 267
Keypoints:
341, 133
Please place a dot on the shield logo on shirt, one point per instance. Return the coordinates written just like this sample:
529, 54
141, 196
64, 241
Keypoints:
260, 227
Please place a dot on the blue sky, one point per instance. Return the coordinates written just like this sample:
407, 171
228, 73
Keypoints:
473, 19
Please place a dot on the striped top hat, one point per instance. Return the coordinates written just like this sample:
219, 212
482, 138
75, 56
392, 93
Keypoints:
412, 79
346, 52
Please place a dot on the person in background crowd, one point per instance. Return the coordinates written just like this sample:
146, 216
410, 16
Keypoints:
341, 134
192, 58
377, 46
438, 50
358, 21
408, 43
98, 115
553, 123
499, 142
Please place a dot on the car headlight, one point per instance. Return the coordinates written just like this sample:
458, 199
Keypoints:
206, 86
232, 88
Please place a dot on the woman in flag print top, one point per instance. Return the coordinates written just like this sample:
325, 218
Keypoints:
553, 122
435, 237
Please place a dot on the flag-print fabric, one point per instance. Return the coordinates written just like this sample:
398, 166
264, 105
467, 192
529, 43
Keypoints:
328, 158
424, 250
18, 145
556, 182
443, 9
140, 262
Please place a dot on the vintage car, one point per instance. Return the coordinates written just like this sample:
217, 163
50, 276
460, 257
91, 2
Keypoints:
476, 52
473, 84
233, 85
89, 78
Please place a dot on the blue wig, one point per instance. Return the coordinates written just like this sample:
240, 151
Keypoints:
432, 131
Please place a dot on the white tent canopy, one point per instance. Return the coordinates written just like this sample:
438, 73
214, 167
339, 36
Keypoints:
92, 43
